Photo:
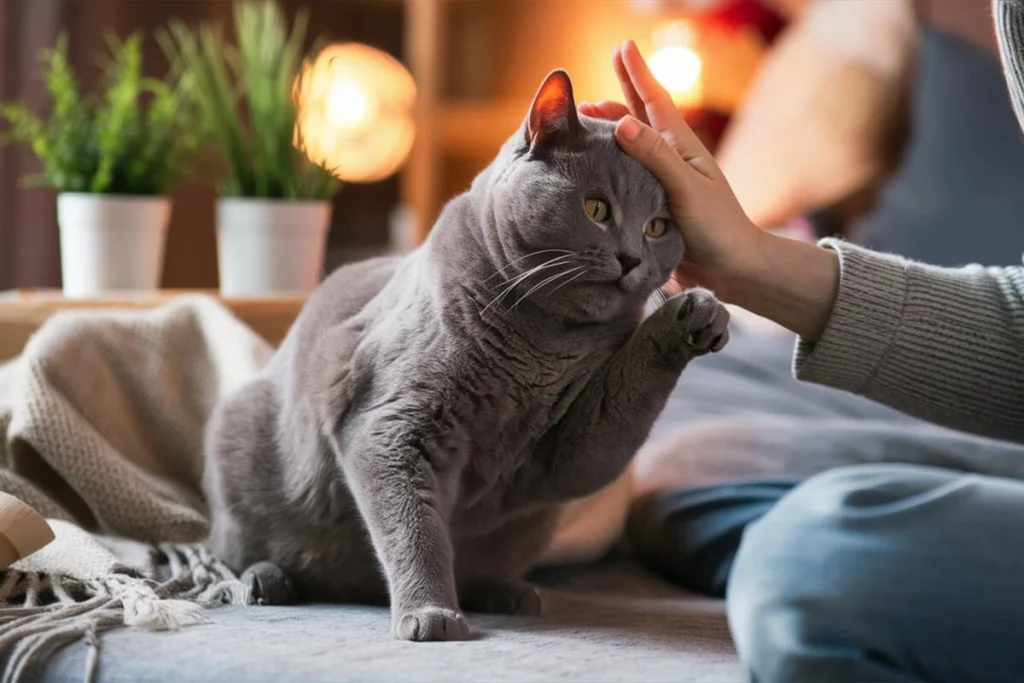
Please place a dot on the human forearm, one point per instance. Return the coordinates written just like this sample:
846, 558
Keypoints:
790, 282
946, 345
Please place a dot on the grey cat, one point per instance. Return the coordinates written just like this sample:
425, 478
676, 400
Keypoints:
425, 417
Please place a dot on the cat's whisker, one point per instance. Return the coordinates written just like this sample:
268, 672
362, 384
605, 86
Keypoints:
657, 299
551, 263
536, 287
558, 260
519, 279
521, 258
574, 277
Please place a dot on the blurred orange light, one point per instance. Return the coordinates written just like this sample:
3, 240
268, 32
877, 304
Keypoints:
677, 64
348, 105
355, 112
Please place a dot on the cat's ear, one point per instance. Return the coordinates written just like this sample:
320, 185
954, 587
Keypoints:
553, 112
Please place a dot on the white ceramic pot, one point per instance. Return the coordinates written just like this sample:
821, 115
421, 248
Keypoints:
111, 242
271, 246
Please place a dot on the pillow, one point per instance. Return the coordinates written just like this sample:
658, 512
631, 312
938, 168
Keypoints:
957, 196
825, 114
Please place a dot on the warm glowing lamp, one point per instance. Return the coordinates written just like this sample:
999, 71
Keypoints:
676, 63
355, 112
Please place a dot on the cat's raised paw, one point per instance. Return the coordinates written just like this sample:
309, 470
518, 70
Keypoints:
703, 320
500, 597
431, 623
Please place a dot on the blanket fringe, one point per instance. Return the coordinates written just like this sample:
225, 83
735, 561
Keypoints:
31, 633
36, 645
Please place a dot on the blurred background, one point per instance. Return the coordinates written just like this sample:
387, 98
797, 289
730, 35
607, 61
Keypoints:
809, 110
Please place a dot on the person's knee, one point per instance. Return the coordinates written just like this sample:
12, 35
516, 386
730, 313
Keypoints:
804, 577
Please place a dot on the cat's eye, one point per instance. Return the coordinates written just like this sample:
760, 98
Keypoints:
597, 208
656, 227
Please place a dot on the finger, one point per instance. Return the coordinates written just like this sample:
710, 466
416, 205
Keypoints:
613, 111
661, 111
633, 99
685, 275
652, 96
651, 149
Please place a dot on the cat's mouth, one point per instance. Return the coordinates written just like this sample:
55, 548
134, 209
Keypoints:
628, 283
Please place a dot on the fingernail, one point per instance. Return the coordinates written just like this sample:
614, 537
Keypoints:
584, 105
629, 128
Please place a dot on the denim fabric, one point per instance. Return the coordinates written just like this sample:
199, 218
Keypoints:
690, 536
884, 573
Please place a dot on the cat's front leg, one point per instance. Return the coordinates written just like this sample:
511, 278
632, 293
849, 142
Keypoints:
604, 427
401, 500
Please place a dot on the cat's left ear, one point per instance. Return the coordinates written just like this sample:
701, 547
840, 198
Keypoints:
553, 112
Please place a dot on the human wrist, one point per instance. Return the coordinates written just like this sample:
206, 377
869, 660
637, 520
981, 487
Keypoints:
742, 273
791, 282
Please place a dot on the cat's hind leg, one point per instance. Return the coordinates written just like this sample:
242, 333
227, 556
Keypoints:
269, 585
490, 568
499, 596
239, 479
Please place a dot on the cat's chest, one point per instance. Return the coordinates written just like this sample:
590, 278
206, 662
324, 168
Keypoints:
521, 401
478, 404
497, 419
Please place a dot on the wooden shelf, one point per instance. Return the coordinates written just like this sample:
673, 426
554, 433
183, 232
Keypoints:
22, 312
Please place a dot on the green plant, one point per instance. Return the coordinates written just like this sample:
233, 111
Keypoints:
138, 136
247, 95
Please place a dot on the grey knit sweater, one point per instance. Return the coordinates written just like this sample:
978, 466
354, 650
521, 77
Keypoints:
944, 344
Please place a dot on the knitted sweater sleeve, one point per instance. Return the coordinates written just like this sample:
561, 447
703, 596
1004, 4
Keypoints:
946, 345
1009, 19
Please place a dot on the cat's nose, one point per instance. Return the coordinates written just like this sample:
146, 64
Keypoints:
628, 263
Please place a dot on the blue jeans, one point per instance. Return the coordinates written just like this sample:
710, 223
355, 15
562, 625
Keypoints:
879, 573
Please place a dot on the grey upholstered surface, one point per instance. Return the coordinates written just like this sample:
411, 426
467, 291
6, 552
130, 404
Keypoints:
956, 197
608, 623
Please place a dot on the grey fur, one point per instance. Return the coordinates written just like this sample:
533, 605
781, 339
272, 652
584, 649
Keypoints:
416, 432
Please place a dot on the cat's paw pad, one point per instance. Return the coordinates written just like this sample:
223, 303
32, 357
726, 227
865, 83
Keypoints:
703, 320
268, 584
500, 597
431, 623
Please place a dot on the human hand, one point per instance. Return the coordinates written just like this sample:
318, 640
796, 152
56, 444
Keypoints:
721, 241
791, 282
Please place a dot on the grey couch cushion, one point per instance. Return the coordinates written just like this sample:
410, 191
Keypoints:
958, 196
606, 623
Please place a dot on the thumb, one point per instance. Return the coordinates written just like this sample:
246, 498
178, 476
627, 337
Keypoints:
651, 149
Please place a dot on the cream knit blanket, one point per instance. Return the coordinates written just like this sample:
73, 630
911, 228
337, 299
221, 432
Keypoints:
102, 419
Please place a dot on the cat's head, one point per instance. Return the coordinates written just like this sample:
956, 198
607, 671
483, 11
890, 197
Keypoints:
585, 227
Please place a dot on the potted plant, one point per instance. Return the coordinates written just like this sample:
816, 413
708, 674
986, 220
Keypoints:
111, 157
275, 206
